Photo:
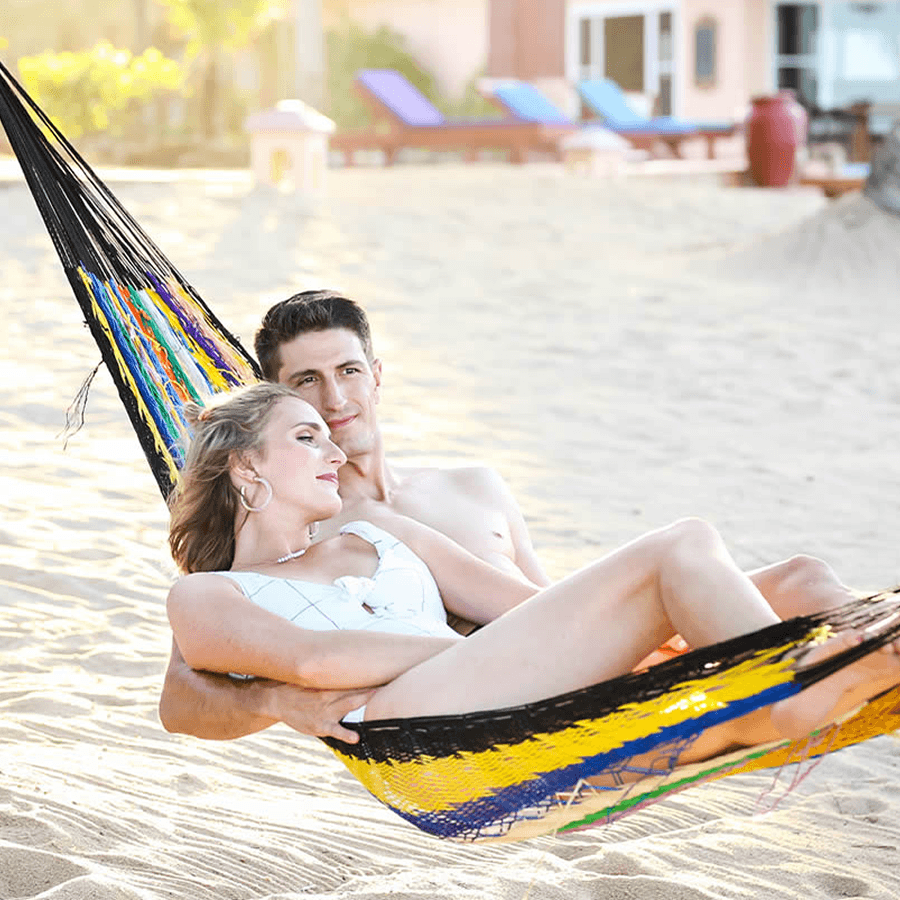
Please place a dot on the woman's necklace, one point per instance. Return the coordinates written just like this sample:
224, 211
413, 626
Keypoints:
293, 555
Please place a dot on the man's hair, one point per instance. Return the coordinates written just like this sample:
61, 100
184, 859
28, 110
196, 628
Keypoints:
302, 313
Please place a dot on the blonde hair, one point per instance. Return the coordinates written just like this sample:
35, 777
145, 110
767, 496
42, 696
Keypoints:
204, 507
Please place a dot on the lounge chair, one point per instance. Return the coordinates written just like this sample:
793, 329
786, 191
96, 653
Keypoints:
607, 101
846, 180
404, 117
525, 101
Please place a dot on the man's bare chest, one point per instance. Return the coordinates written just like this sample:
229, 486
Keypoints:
481, 528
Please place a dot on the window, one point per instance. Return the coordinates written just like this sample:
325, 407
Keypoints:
705, 53
584, 42
666, 65
797, 62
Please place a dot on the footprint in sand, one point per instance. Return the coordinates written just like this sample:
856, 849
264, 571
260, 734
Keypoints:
843, 885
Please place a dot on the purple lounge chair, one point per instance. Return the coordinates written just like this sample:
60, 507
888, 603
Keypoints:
406, 118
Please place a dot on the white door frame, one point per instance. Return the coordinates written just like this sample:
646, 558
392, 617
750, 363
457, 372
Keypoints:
824, 61
650, 10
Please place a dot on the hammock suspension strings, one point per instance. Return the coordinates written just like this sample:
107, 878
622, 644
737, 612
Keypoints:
159, 340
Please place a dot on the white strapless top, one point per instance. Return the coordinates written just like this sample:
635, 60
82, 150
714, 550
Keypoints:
401, 593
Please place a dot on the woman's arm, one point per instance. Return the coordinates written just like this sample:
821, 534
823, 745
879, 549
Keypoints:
217, 629
470, 587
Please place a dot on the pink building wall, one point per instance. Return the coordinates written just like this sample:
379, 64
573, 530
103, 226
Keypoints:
736, 57
449, 38
743, 50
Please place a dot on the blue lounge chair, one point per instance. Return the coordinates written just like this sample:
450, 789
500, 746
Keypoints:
405, 117
526, 102
607, 101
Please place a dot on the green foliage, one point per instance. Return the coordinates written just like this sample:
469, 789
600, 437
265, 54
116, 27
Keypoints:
229, 24
350, 49
95, 90
211, 27
472, 104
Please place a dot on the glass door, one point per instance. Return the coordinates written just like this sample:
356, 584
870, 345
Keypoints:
623, 61
861, 53
634, 49
665, 65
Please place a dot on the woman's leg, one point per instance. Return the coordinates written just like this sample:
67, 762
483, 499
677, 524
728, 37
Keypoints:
593, 625
598, 623
794, 587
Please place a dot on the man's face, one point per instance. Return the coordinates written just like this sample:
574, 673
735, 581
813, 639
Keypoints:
329, 370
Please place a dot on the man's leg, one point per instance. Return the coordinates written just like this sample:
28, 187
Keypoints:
801, 585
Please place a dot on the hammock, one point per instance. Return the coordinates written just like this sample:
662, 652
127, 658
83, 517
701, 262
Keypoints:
560, 764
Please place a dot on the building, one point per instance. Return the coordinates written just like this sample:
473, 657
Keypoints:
704, 59
700, 59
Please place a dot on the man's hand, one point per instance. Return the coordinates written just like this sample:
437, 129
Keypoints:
316, 712
216, 707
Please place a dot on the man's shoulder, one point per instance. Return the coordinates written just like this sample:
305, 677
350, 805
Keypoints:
468, 478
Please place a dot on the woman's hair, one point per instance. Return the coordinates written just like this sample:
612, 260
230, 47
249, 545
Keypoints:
205, 504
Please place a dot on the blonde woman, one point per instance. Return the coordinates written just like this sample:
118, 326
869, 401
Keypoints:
366, 609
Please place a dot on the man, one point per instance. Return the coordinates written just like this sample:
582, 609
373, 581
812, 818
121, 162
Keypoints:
319, 344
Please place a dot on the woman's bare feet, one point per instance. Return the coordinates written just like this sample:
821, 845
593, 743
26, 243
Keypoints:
841, 692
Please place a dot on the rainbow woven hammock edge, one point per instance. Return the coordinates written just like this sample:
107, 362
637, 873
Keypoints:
496, 775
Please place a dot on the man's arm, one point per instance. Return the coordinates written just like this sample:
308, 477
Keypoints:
216, 707
525, 557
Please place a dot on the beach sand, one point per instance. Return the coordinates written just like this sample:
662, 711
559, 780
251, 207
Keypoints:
625, 352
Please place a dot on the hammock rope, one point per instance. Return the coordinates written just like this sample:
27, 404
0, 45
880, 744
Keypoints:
559, 764
160, 342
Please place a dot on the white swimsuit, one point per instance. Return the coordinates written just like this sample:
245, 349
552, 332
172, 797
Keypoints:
401, 594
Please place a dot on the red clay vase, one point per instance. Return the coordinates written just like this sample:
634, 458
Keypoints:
772, 138
801, 117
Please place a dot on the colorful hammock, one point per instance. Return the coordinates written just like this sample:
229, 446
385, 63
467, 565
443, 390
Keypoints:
560, 764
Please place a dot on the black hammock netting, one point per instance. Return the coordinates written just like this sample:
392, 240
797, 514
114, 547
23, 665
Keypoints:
559, 764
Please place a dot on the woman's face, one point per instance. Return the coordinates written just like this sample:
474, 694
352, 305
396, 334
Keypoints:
300, 460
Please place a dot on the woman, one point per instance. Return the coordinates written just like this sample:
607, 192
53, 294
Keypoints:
262, 471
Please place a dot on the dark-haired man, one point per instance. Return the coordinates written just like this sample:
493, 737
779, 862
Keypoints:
319, 343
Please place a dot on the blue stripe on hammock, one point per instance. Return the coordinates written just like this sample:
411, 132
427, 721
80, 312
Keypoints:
468, 819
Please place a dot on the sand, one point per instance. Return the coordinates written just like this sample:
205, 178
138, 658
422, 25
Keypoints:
625, 352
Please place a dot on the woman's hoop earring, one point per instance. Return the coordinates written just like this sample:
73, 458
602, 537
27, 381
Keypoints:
265, 502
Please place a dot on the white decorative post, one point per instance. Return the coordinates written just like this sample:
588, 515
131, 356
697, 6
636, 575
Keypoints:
297, 133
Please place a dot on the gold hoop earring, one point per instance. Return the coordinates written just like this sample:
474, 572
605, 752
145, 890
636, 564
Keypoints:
265, 502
